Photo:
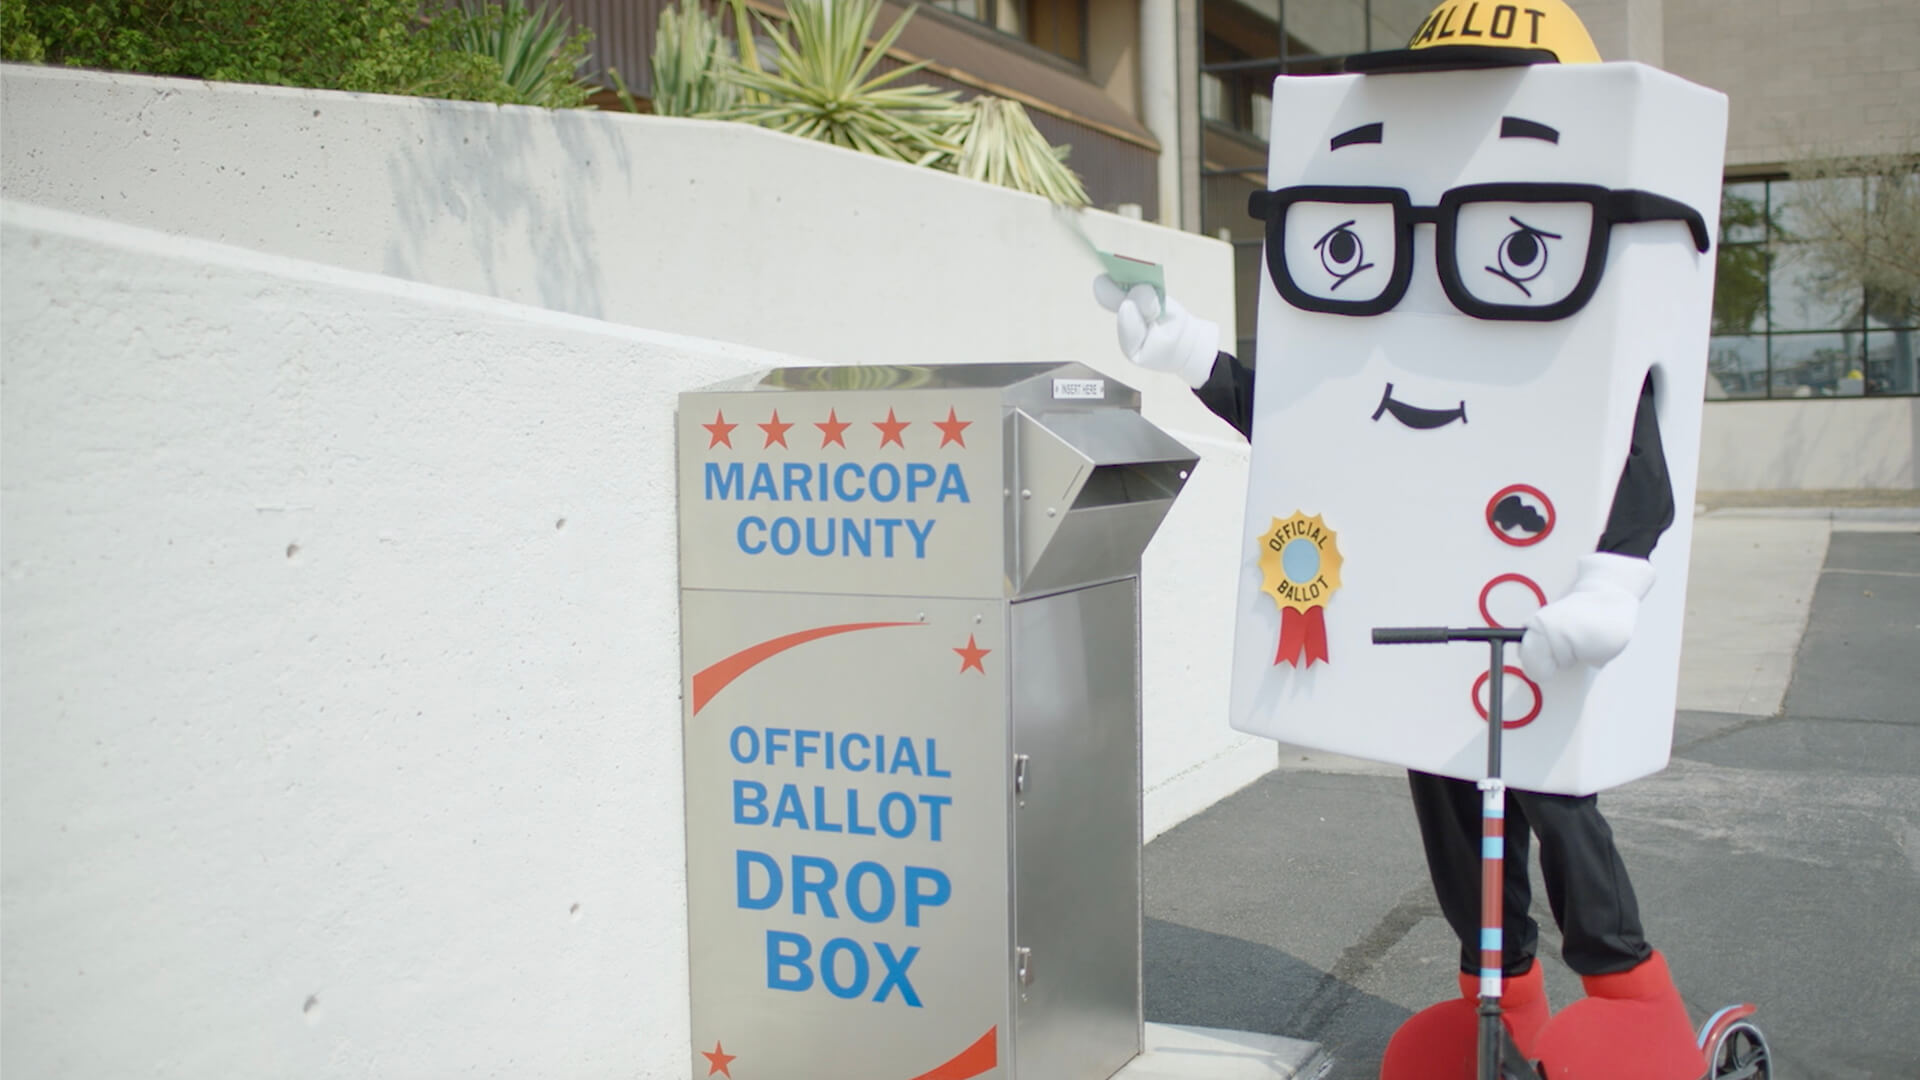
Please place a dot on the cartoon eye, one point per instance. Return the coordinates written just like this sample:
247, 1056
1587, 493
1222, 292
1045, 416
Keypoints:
1523, 254
1341, 253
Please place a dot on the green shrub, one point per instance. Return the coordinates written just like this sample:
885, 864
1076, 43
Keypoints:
1000, 145
825, 88
690, 52
17, 38
538, 58
375, 46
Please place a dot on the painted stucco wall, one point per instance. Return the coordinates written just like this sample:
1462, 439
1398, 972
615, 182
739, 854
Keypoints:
713, 230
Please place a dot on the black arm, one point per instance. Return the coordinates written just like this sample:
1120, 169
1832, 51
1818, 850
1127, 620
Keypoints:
1228, 391
1643, 500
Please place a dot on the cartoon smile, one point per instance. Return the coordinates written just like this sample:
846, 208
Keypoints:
1415, 417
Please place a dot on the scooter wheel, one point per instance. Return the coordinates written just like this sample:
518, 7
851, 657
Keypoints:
1740, 1053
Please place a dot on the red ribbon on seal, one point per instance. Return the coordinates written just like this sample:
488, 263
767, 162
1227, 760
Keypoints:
1302, 633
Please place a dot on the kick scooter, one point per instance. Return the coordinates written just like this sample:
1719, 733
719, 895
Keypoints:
1733, 1046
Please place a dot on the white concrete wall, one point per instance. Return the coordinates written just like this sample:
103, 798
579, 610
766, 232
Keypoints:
713, 230
1834, 444
721, 230
341, 682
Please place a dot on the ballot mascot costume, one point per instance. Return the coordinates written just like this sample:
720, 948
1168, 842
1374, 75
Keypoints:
1482, 349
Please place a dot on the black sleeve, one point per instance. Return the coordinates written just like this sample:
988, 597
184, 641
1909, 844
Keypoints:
1228, 391
1643, 501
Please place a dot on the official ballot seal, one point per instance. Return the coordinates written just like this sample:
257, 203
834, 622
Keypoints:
1300, 568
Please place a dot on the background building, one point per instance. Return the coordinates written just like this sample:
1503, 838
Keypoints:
1076, 65
1166, 105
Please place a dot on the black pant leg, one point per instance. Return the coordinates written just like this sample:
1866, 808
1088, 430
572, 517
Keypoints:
1587, 884
1449, 814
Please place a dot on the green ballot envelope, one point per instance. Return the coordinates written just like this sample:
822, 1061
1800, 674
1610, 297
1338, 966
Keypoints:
1124, 269
1129, 271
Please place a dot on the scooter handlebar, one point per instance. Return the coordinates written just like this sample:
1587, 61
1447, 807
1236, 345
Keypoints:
1410, 635
1440, 635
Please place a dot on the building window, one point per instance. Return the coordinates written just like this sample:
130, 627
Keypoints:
1057, 26
1243, 45
1236, 90
977, 10
1798, 308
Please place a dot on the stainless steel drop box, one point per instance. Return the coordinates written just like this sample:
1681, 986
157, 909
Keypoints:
910, 630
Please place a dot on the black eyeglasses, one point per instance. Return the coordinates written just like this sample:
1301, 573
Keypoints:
1503, 251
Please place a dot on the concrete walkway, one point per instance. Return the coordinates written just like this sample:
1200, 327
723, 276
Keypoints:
1750, 581
1193, 1053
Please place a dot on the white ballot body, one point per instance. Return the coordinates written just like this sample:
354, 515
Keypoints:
1453, 467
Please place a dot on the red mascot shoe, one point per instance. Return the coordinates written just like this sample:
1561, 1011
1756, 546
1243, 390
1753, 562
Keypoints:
1630, 1024
1442, 1042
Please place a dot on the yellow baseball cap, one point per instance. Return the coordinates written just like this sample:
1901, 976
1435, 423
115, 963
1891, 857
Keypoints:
1480, 34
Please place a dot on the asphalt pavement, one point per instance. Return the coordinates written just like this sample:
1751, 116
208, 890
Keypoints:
1777, 859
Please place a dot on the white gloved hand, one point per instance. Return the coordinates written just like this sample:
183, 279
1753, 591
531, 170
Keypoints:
1170, 340
1591, 624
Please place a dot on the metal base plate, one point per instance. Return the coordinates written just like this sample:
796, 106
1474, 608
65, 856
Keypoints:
1192, 1053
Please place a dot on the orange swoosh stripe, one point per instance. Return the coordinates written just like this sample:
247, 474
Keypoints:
715, 677
984, 1054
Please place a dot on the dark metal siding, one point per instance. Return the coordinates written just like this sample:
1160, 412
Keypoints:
1114, 171
623, 32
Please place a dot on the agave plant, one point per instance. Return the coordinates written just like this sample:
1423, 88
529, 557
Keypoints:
999, 144
689, 53
538, 53
824, 87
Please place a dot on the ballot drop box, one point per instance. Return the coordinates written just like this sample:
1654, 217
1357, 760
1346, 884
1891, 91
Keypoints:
910, 625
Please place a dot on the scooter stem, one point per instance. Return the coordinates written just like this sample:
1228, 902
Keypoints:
1493, 840
1496, 1052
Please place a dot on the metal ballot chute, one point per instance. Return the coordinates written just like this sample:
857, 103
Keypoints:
910, 627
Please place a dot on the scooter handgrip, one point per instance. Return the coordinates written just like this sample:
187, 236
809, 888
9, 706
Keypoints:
1410, 635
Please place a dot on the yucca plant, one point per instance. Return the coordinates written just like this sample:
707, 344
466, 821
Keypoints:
824, 87
744, 42
538, 52
689, 53
999, 144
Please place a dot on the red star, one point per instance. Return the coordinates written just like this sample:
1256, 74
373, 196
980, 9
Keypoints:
832, 430
970, 656
951, 427
718, 1060
720, 430
890, 430
776, 431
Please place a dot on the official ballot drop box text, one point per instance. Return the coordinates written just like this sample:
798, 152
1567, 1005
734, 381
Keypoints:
910, 625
